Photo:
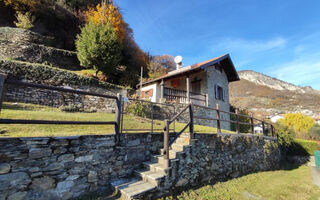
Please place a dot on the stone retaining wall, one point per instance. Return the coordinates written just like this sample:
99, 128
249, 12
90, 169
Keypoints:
219, 157
51, 98
67, 167
25, 45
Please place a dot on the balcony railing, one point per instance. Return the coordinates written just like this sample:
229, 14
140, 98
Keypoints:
180, 96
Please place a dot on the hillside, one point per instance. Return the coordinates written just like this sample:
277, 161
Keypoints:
265, 95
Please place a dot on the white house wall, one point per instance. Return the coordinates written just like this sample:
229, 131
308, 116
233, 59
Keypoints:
156, 91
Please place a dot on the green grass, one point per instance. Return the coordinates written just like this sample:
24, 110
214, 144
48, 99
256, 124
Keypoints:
295, 184
36, 112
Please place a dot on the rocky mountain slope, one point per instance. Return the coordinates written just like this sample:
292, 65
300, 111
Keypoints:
265, 95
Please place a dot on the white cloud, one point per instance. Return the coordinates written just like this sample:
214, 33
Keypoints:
304, 70
250, 46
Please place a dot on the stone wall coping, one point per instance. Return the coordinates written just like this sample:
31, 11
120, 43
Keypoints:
55, 138
238, 135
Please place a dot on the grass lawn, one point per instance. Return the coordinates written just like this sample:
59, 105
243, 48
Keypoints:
37, 112
294, 184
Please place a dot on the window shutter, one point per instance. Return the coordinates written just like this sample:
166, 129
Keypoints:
216, 91
223, 94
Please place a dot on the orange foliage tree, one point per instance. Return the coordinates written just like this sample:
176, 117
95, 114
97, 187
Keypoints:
22, 5
107, 12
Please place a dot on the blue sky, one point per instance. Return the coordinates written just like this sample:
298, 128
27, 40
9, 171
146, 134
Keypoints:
277, 38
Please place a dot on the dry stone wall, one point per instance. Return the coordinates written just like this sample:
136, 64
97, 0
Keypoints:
50, 76
219, 157
68, 167
25, 45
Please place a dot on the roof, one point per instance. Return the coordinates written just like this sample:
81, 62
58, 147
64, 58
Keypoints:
224, 60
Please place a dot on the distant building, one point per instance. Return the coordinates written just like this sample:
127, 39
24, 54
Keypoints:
275, 118
258, 128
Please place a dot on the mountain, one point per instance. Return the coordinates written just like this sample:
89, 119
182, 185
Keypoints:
264, 95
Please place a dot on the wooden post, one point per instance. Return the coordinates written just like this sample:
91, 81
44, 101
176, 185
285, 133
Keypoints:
166, 145
118, 115
252, 124
2, 78
218, 118
207, 100
263, 128
151, 118
188, 88
141, 75
272, 130
237, 121
162, 89
191, 127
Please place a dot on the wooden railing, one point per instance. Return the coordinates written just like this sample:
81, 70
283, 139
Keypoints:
167, 142
117, 98
180, 96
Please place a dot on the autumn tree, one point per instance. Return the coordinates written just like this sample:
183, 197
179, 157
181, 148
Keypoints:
22, 5
107, 12
98, 48
160, 65
298, 122
133, 58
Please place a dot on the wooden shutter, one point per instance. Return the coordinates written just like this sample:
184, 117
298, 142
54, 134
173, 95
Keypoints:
223, 93
216, 91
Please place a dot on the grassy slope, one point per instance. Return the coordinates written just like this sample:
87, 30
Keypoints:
292, 184
30, 111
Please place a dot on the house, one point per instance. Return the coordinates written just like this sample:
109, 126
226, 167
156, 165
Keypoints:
204, 83
275, 118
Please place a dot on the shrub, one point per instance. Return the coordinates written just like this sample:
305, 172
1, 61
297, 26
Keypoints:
302, 147
314, 132
138, 108
98, 48
285, 135
71, 108
24, 20
243, 127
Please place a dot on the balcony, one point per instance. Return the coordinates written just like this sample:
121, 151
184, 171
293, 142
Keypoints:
180, 96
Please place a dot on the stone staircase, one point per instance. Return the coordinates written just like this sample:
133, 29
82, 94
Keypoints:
153, 175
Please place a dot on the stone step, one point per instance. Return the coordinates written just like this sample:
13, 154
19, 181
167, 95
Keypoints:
183, 140
160, 158
133, 188
156, 167
176, 148
154, 178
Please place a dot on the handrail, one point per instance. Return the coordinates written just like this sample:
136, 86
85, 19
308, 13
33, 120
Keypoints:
178, 114
167, 143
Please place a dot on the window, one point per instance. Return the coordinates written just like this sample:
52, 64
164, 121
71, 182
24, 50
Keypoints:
219, 93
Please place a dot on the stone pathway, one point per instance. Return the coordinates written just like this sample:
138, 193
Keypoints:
315, 173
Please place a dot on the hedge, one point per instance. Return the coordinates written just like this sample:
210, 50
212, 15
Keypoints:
43, 74
302, 147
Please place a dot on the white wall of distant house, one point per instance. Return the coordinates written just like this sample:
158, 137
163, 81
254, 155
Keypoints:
274, 119
156, 91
